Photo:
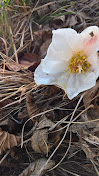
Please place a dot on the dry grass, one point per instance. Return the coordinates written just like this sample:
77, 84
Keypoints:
18, 26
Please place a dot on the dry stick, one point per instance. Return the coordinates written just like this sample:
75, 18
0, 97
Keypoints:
30, 25
95, 162
21, 45
14, 47
89, 121
6, 52
95, 167
64, 154
4, 156
5, 45
22, 39
62, 121
69, 172
14, 93
77, 118
21, 26
90, 106
63, 135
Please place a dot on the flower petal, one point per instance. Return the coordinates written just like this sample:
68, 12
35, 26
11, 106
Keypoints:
76, 83
64, 40
90, 38
53, 66
92, 59
42, 78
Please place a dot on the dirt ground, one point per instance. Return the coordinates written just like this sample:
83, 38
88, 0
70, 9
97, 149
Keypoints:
42, 132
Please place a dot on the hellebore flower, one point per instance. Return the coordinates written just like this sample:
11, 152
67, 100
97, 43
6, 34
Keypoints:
71, 62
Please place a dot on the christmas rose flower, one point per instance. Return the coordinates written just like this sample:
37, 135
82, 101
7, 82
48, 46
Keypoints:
71, 62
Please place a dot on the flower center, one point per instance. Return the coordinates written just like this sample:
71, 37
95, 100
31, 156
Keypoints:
79, 63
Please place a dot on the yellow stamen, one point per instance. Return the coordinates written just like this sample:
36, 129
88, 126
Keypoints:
79, 63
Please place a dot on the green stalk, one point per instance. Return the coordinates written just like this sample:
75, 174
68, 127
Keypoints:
8, 28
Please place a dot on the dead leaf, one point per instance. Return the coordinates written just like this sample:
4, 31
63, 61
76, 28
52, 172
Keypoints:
34, 168
44, 34
39, 141
7, 141
57, 22
11, 66
45, 123
32, 108
28, 60
43, 140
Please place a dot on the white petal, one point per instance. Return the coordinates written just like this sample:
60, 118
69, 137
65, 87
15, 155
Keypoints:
53, 66
73, 84
64, 40
80, 82
62, 80
90, 42
42, 78
93, 59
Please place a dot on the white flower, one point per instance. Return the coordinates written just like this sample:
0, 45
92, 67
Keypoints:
71, 61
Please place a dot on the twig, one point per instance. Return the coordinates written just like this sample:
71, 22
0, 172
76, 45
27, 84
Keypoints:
95, 167
5, 156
